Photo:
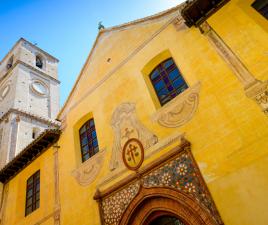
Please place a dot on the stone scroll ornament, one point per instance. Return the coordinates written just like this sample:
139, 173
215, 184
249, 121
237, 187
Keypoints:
126, 125
179, 110
86, 173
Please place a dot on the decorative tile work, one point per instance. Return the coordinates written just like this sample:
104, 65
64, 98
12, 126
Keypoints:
115, 205
182, 173
178, 171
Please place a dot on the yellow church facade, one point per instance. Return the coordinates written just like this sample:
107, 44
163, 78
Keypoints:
167, 121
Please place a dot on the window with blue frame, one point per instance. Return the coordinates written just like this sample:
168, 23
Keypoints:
88, 140
167, 81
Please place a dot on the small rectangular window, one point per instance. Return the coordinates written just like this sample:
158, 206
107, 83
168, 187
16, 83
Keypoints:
261, 6
32, 193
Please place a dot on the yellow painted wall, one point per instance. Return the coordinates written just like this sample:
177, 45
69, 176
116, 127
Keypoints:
229, 133
16, 198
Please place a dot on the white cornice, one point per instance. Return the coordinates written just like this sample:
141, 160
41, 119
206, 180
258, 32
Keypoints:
32, 45
19, 62
31, 116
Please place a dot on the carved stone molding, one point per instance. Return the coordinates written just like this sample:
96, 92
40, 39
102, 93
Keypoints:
179, 110
126, 125
57, 205
86, 173
254, 89
57, 217
22, 113
179, 23
240, 70
259, 93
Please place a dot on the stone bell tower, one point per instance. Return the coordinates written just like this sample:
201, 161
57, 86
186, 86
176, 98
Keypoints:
29, 97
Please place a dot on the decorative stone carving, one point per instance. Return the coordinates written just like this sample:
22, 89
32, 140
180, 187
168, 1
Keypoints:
259, 93
176, 171
254, 89
162, 144
126, 125
57, 217
86, 173
179, 110
179, 23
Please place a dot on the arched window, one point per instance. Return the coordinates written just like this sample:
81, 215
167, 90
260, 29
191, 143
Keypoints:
166, 220
38, 62
35, 132
167, 81
10, 63
88, 140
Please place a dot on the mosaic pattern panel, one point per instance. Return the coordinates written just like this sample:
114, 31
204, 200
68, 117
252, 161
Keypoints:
115, 205
182, 174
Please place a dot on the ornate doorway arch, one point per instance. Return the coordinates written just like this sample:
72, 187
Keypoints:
170, 185
151, 203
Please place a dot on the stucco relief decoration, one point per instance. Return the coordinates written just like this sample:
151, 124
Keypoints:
114, 205
86, 173
179, 110
126, 125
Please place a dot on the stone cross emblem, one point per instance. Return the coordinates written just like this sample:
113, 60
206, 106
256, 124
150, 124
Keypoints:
133, 154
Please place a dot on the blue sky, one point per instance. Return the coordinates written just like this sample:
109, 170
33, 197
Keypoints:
67, 28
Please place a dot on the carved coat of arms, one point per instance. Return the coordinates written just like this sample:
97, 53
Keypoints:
126, 125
